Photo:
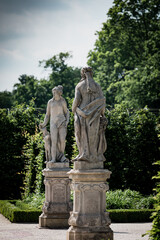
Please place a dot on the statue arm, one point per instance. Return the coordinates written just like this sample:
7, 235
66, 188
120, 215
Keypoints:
102, 96
76, 100
47, 116
66, 111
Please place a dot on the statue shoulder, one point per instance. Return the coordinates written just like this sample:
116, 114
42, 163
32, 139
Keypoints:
80, 85
50, 101
63, 101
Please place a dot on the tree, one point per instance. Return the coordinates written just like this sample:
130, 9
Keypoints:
14, 126
133, 147
5, 99
41, 90
127, 53
62, 74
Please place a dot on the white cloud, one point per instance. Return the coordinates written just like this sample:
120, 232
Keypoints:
36, 35
11, 53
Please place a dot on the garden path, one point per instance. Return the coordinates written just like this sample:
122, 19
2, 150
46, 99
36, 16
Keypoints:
30, 231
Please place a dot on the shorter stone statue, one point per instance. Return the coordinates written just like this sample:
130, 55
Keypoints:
58, 115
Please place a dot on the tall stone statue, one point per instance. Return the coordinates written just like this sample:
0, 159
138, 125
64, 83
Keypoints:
58, 115
88, 108
89, 219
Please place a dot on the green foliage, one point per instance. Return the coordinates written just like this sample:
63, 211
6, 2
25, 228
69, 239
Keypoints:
70, 131
41, 90
5, 99
130, 215
126, 55
16, 214
128, 199
32, 201
29, 87
13, 127
132, 139
62, 74
34, 155
154, 234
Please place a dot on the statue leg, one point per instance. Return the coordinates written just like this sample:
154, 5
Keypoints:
54, 133
62, 138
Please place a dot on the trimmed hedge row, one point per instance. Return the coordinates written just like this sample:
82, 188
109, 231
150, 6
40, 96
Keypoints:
15, 214
130, 215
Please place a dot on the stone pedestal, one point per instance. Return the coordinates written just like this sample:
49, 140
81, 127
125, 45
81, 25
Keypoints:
89, 219
57, 203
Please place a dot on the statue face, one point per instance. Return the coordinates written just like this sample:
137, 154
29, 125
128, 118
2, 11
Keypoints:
56, 94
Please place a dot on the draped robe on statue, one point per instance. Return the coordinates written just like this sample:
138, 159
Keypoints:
89, 107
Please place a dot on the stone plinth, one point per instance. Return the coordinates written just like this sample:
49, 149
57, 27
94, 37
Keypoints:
89, 219
57, 205
80, 165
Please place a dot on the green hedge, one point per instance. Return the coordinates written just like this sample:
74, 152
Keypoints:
16, 214
130, 215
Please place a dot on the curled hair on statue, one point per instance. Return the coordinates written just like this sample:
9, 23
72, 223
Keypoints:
84, 71
59, 89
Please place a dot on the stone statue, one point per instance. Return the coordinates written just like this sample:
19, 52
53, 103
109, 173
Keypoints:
58, 115
88, 108
47, 143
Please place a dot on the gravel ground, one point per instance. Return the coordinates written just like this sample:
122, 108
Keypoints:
18, 231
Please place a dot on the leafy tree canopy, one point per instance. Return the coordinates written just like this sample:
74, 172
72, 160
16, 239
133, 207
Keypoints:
41, 90
127, 53
62, 74
5, 99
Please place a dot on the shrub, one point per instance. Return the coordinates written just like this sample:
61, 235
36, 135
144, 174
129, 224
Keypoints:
34, 155
132, 139
34, 200
13, 127
16, 214
128, 199
154, 234
130, 215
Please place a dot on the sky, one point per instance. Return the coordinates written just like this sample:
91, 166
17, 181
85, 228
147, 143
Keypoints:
34, 30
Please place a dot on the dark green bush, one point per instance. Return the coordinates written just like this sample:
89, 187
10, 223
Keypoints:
34, 155
154, 234
132, 139
16, 214
130, 215
13, 127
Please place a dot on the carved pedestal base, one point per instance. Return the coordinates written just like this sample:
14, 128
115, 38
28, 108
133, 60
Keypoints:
87, 234
89, 219
57, 203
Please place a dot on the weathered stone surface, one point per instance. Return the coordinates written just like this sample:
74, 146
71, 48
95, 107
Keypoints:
89, 219
57, 203
58, 221
90, 176
74, 233
89, 120
59, 165
58, 115
81, 165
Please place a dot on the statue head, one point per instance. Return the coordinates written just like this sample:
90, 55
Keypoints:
57, 91
86, 70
